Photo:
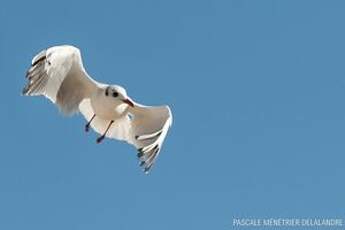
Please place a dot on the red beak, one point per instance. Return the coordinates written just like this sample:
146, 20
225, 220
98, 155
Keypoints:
128, 102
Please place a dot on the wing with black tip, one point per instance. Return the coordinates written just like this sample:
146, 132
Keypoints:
58, 74
149, 127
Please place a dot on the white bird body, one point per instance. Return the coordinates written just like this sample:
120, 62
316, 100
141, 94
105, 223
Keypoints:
107, 108
58, 74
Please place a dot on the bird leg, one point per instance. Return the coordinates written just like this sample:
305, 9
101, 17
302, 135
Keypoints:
87, 126
99, 139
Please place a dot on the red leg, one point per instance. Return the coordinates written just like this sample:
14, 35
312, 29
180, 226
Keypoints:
87, 126
99, 139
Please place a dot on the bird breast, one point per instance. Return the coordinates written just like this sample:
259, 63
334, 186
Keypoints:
108, 108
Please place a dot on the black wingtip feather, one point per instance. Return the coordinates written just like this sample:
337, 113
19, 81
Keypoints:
38, 60
24, 91
147, 169
140, 154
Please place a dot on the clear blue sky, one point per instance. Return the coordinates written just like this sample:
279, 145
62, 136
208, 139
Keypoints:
257, 89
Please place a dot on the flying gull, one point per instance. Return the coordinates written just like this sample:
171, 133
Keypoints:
58, 74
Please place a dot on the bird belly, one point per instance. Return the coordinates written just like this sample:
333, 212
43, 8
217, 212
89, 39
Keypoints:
108, 111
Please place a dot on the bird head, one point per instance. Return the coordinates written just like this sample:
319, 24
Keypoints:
117, 93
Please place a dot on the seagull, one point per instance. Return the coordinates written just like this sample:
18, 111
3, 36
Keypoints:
58, 74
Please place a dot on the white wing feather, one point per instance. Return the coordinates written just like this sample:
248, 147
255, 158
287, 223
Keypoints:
149, 127
58, 74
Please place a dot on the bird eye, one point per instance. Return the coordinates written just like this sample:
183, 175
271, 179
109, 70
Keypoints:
115, 94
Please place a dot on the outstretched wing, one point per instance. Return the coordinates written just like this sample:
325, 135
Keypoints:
144, 127
149, 127
58, 74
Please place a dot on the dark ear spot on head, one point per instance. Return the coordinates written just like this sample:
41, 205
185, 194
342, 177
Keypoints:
106, 91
